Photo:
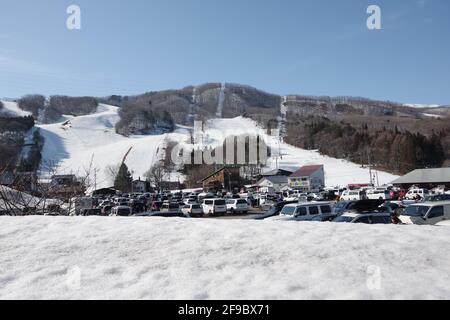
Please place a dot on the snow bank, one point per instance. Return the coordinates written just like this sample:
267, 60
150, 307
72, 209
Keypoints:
157, 258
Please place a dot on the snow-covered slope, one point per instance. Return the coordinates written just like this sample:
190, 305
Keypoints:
11, 109
93, 137
157, 258
337, 172
422, 106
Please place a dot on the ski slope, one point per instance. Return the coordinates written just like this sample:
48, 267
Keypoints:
11, 109
338, 172
93, 138
157, 258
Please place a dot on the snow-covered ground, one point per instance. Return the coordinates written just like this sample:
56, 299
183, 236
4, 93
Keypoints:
421, 106
157, 258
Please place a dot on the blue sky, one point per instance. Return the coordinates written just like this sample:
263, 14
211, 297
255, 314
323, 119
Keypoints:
317, 47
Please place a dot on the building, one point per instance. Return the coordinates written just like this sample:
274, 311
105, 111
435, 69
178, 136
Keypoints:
22, 181
277, 172
139, 186
308, 178
277, 183
226, 178
66, 186
425, 178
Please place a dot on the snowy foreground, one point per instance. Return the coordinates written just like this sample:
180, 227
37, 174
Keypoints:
157, 258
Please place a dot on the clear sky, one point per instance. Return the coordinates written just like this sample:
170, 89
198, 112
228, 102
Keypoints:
317, 47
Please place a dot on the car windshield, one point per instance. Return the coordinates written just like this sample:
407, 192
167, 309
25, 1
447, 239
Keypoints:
343, 219
288, 211
195, 206
416, 211
220, 202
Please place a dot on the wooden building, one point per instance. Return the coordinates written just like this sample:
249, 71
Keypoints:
226, 178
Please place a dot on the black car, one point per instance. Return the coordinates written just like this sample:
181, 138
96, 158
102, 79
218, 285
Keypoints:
91, 212
161, 214
343, 206
439, 197
324, 218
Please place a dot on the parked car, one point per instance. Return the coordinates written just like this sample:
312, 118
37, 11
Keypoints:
382, 194
275, 210
351, 195
389, 207
237, 206
91, 212
366, 218
324, 217
428, 213
192, 210
178, 214
170, 207
106, 210
205, 195
343, 206
304, 211
214, 206
156, 205
123, 211
414, 194
190, 200
439, 197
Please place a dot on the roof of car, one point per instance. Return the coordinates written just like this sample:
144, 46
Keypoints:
358, 214
432, 203
308, 204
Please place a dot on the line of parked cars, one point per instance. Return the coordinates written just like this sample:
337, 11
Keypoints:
369, 211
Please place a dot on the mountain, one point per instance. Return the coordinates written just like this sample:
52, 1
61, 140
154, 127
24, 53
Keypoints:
80, 130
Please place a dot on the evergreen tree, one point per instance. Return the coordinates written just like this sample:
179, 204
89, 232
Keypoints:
123, 180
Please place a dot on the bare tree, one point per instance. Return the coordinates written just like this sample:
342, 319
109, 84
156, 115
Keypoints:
156, 175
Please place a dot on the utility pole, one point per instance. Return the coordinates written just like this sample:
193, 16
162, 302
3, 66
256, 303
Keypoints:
370, 166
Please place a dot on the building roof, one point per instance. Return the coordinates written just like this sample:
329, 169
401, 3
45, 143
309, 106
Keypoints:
277, 172
440, 175
306, 171
274, 179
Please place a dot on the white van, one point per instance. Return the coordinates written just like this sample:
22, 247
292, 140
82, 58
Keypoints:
429, 213
413, 193
378, 194
351, 195
214, 206
304, 211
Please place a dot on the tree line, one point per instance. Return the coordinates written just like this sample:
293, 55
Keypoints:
389, 149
